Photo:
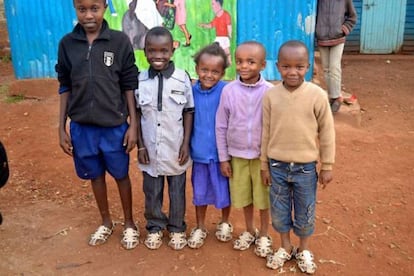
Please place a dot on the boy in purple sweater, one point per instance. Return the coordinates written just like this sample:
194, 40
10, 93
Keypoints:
238, 135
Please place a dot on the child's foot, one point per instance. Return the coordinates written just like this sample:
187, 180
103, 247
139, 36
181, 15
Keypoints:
130, 238
197, 237
101, 235
177, 240
244, 241
305, 262
263, 246
153, 240
278, 259
224, 231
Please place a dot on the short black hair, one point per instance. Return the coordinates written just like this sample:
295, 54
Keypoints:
293, 44
105, 2
158, 31
220, 1
213, 49
254, 43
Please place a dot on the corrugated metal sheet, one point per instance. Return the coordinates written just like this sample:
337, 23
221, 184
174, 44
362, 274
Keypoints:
353, 41
408, 44
382, 29
35, 28
275, 22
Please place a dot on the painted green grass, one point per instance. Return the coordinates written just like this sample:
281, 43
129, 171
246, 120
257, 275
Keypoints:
197, 12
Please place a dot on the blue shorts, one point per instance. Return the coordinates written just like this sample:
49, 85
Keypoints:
293, 185
99, 149
210, 187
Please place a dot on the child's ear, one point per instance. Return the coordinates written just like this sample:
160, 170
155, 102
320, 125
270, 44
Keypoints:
264, 64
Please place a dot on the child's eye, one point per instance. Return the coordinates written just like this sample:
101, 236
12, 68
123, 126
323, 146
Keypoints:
300, 67
81, 9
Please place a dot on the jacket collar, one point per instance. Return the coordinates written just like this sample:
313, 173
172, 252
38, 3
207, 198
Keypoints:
259, 82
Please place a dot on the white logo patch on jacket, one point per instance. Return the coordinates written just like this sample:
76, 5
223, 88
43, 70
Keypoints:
108, 58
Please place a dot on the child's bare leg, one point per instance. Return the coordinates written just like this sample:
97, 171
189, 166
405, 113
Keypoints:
186, 34
225, 214
124, 188
99, 190
264, 222
285, 241
228, 54
248, 217
201, 216
304, 243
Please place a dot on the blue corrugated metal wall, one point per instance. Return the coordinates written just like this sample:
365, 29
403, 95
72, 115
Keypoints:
34, 31
353, 41
408, 44
382, 28
274, 22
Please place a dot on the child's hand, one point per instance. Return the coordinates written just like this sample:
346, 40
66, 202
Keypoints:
324, 178
183, 155
267, 181
130, 140
65, 143
143, 157
225, 168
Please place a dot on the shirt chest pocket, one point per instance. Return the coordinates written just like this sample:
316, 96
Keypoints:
177, 101
145, 102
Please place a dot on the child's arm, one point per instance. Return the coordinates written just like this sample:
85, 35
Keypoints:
265, 174
325, 177
222, 120
185, 146
130, 138
326, 141
64, 138
205, 25
143, 157
225, 168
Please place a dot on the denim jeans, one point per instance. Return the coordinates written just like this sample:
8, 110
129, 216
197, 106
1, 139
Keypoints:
293, 189
157, 220
331, 63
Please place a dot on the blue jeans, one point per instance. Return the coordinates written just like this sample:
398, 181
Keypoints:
293, 187
157, 220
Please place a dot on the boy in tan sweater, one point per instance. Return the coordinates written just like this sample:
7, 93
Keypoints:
298, 129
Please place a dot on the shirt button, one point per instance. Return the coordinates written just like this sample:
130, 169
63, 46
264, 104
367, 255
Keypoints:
159, 124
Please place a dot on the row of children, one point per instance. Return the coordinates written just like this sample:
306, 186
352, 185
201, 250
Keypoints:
253, 146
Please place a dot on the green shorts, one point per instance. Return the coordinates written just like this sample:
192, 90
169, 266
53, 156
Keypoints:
246, 186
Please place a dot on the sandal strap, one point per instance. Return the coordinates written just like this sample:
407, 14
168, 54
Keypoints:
198, 234
305, 261
130, 235
279, 258
101, 234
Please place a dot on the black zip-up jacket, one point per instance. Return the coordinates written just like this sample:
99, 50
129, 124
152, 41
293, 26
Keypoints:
96, 76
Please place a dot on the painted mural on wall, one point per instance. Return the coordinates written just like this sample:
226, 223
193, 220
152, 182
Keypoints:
193, 25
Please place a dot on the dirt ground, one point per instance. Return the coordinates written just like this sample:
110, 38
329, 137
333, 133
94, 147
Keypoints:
363, 217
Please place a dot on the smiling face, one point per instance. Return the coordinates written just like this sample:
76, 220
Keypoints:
210, 69
158, 50
90, 14
293, 63
250, 60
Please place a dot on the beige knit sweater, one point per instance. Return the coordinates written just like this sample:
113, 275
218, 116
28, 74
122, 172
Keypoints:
298, 126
